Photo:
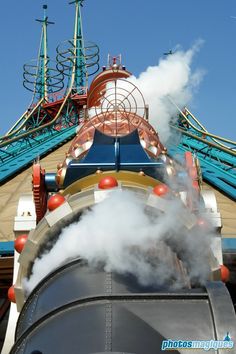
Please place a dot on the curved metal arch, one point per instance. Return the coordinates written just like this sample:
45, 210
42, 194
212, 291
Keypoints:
88, 58
54, 78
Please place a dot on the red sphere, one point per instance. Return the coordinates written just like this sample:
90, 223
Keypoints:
11, 294
225, 273
161, 189
55, 201
20, 242
107, 182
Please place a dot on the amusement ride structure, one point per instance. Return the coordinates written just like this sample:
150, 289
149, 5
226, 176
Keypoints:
111, 146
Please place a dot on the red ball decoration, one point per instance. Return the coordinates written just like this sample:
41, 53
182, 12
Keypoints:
20, 242
11, 294
55, 201
225, 273
107, 182
161, 189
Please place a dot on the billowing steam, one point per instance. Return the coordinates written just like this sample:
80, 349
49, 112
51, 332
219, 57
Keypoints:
174, 78
125, 238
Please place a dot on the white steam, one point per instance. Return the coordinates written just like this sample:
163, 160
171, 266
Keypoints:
120, 234
174, 78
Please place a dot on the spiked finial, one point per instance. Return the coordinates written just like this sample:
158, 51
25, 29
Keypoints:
77, 1
45, 20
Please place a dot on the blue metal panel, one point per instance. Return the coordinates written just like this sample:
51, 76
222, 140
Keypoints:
229, 244
103, 149
7, 248
109, 153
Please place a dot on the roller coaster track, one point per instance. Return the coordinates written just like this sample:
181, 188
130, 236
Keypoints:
20, 147
216, 155
20, 123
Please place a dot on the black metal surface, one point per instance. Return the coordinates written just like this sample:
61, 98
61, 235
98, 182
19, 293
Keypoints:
77, 309
137, 326
75, 281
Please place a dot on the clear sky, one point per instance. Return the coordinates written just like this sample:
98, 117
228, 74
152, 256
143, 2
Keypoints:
141, 31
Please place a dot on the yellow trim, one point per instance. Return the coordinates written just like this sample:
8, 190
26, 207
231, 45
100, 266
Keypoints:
127, 178
213, 136
45, 60
13, 131
60, 177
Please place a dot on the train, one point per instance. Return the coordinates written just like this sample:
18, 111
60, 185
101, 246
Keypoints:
127, 243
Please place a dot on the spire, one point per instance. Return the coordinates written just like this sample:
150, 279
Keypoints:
79, 65
42, 75
76, 59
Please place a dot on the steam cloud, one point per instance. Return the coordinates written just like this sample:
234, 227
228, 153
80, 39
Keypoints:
174, 78
119, 233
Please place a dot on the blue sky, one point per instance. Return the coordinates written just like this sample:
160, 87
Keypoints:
141, 31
